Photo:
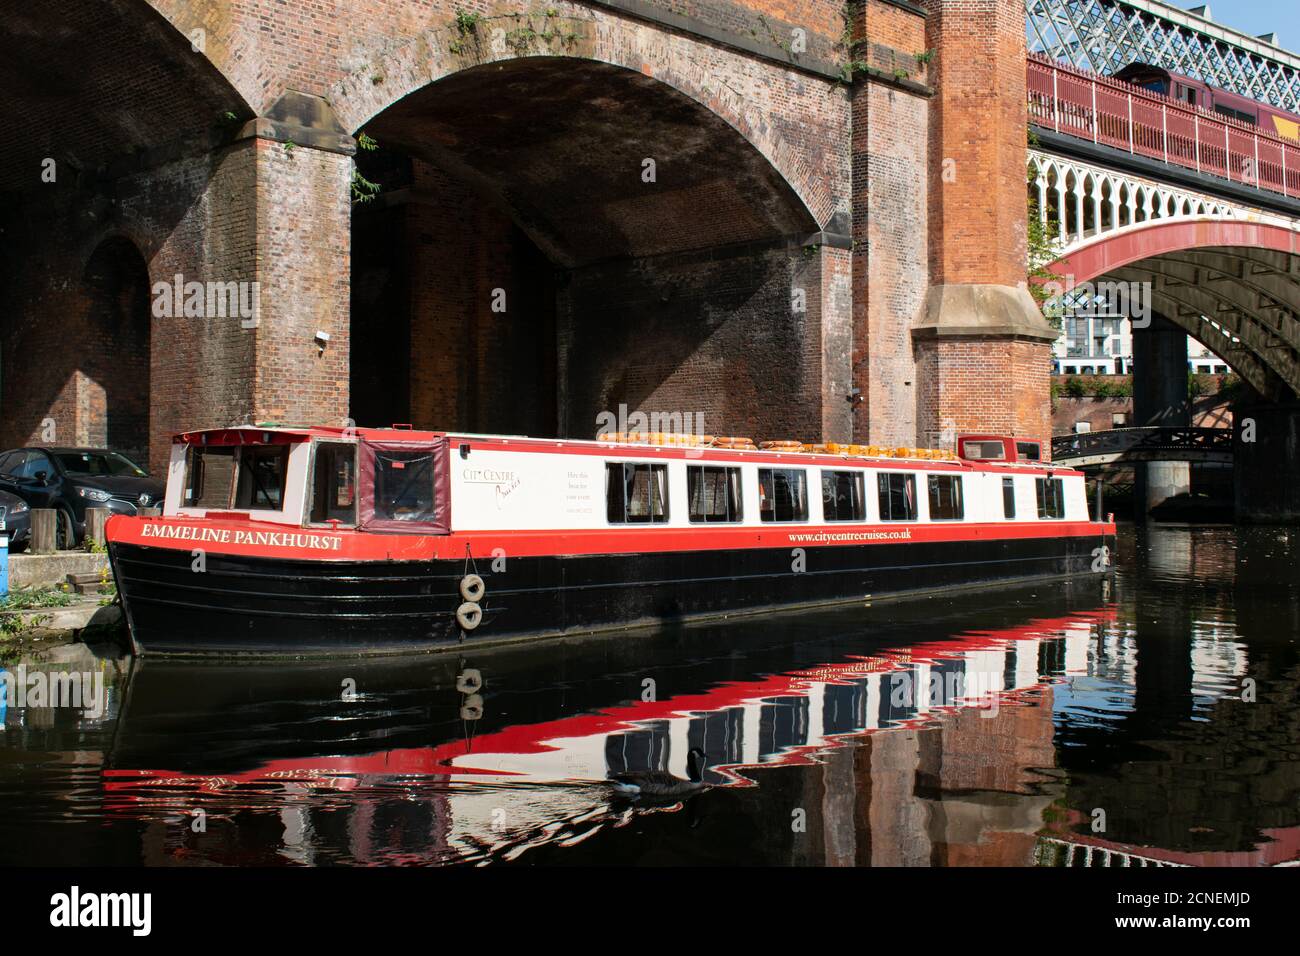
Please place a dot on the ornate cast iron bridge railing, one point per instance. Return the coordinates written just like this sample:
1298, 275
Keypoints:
1151, 443
1051, 851
1143, 123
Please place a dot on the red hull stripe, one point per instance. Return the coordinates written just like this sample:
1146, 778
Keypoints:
254, 539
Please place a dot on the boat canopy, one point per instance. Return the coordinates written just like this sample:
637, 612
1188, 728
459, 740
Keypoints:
405, 486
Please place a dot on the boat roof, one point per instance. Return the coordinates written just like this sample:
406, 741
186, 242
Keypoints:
272, 433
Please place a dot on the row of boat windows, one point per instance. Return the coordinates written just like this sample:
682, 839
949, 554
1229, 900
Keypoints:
638, 493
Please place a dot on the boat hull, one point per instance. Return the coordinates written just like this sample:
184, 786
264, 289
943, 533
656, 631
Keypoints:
291, 607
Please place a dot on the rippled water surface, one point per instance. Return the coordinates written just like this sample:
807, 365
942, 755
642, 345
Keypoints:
1147, 719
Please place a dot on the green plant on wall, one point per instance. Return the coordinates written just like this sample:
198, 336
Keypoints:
363, 190
466, 25
1040, 247
853, 64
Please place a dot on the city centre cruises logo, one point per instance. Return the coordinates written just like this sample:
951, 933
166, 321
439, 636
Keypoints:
270, 539
505, 481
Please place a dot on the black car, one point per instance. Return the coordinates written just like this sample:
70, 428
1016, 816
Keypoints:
15, 521
70, 480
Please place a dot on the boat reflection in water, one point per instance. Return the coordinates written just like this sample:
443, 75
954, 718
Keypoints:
869, 736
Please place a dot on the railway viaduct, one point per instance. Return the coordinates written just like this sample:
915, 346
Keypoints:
776, 217
792, 218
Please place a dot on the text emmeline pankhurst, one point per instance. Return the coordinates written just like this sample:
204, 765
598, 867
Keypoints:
273, 539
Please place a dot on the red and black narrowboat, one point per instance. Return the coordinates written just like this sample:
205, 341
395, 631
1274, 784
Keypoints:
294, 541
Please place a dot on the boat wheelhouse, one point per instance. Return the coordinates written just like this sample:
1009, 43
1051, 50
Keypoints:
294, 541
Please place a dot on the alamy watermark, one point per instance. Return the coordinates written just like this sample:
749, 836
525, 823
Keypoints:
208, 300
83, 690
1068, 299
681, 423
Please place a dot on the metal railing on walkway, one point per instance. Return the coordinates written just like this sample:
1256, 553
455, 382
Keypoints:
1113, 113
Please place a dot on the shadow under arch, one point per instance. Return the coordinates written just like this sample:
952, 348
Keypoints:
114, 128
114, 347
636, 236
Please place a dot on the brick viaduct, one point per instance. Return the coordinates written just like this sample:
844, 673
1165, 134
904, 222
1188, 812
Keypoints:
794, 217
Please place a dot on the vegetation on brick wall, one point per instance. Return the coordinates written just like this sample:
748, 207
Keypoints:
1203, 383
1041, 248
363, 190
521, 40
1121, 386
1092, 386
848, 48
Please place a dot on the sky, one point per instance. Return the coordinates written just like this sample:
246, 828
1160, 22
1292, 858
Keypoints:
1256, 17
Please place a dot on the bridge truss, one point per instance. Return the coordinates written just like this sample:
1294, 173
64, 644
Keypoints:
1104, 36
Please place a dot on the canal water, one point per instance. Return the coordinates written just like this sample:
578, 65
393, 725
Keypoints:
1149, 718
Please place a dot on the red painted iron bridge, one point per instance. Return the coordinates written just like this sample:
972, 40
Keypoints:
1110, 112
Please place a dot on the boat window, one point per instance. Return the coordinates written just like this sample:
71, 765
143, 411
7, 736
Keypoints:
984, 450
945, 498
636, 494
404, 485
261, 476
1008, 498
897, 493
714, 493
1028, 451
842, 498
1051, 498
782, 494
334, 484
209, 474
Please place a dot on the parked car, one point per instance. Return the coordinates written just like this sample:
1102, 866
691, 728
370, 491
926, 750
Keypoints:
15, 521
70, 480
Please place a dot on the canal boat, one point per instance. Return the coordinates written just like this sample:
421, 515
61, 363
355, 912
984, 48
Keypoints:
295, 541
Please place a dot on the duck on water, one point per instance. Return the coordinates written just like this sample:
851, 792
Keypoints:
660, 783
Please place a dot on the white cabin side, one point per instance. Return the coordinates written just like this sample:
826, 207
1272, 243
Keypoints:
500, 488
505, 490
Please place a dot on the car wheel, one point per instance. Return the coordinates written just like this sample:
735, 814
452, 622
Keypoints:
65, 533
17, 548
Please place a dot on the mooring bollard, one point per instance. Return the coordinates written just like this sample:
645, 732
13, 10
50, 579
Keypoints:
95, 520
45, 531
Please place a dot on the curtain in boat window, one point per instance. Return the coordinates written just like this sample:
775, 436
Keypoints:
782, 494
635, 493
1050, 493
714, 493
897, 495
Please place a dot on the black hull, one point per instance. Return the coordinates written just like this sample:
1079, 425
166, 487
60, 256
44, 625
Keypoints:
291, 608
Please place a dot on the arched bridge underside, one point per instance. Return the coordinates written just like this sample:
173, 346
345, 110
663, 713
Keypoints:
1233, 285
1208, 445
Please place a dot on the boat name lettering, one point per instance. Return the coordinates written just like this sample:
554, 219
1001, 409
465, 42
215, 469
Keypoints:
275, 539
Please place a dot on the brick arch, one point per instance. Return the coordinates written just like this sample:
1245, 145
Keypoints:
96, 82
677, 61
